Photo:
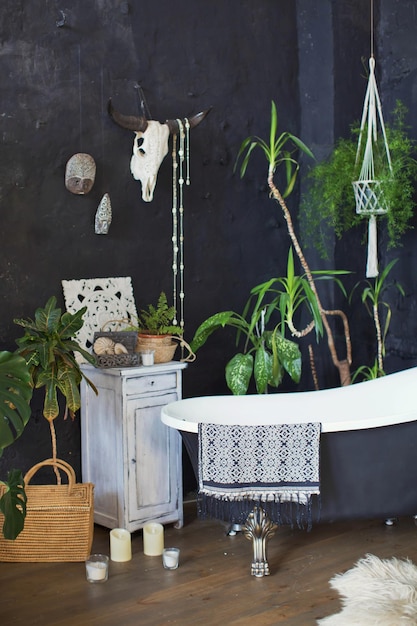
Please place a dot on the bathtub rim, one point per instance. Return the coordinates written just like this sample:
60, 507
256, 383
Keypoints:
171, 413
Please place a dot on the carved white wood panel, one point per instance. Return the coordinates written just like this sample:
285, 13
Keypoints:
106, 299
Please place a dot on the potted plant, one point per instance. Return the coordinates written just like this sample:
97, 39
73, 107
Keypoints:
330, 202
15, 397
48, 348
156, 329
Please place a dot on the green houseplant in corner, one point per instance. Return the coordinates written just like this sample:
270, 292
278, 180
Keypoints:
15, 397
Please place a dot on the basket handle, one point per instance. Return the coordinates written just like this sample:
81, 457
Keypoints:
183, 344
119, 323
60, 464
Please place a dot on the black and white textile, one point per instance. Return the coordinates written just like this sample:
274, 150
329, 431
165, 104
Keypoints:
274, 463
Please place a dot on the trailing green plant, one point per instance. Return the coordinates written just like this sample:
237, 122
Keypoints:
48, 347
328, 206
15, 397
277, 153
372, 299
157, 319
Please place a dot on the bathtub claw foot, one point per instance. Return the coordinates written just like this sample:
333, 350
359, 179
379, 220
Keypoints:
259, 528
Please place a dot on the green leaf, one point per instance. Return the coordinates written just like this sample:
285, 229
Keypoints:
218, 320
238, 373
288, 354
47, 319
15, 396
262, 368
13, 505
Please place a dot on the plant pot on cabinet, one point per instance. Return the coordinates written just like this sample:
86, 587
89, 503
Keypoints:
163, 346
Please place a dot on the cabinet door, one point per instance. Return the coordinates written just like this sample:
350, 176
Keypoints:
153, 460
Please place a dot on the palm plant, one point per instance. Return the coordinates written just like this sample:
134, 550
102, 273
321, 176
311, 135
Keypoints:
277, 153
372, 299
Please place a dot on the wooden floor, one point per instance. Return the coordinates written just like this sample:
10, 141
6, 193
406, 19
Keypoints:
213, 584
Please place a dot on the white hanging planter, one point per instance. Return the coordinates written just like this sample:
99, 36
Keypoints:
369, 197
368, 192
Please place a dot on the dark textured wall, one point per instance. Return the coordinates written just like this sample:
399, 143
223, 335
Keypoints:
235, 56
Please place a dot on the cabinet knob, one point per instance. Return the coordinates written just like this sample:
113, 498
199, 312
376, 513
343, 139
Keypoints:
133, 461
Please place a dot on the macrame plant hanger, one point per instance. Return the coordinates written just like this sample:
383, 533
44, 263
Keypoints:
369, 197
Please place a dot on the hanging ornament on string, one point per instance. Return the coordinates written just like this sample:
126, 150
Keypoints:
369, 196
180, 156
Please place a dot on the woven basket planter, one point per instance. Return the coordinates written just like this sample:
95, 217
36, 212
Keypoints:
163, 346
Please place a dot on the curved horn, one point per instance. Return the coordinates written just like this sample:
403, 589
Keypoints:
131, 122
193, 121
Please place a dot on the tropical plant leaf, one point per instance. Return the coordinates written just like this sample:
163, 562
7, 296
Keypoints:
212, 323
262, 369
238, 373
47, 319
15, 397
13, 505
288, 354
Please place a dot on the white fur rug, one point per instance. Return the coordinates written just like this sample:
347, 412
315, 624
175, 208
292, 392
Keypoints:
376, 592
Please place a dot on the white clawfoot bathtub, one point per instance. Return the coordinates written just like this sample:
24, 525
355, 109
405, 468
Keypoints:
368, 456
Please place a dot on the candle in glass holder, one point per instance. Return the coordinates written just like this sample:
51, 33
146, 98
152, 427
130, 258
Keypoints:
153, 539
97, 568
170, 558
120, 545
147, 357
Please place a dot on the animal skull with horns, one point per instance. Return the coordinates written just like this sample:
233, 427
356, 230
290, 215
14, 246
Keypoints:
150, 144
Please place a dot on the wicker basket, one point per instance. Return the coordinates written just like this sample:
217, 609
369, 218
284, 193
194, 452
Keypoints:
59, 521
163, 346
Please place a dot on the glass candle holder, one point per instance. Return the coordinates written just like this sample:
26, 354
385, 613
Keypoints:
97, 568
147, 357
171, 558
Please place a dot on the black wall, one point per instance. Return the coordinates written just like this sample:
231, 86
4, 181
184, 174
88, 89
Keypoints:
59, 65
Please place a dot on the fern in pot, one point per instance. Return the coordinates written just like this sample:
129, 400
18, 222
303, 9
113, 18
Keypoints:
157, 330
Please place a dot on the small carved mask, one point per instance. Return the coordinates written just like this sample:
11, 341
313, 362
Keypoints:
80, 173
149, 149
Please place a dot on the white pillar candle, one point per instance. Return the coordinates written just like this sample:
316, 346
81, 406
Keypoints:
153, 539
120, 545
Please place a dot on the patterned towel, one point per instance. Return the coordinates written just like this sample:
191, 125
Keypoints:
264, 463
